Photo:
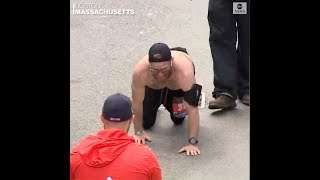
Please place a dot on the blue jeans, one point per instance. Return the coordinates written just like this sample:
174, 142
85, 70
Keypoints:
230, 64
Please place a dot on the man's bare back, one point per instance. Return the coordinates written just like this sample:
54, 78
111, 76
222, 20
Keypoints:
182, 70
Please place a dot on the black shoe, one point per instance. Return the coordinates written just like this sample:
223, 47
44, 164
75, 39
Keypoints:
177, 121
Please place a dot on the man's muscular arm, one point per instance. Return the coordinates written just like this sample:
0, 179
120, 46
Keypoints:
193, 113
187, 81
138, 90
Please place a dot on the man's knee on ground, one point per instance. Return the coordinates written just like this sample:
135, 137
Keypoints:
148, 122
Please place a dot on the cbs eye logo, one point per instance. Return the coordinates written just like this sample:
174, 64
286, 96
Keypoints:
239, 6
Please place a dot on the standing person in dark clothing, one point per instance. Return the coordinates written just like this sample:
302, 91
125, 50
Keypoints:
231, 63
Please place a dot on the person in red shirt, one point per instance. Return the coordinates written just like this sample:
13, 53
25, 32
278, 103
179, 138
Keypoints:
112, 154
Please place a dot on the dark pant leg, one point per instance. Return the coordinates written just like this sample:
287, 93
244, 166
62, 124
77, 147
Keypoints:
151, 104
223, 37
243, 52
168, 103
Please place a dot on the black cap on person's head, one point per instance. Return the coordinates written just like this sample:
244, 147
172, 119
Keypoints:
117, 107
159, 52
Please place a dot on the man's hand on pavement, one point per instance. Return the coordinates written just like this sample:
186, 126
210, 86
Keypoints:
141, 138
190, 149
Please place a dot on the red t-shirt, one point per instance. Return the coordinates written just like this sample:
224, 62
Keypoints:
111, 155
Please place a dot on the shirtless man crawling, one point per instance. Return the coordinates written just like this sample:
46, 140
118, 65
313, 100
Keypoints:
166, 76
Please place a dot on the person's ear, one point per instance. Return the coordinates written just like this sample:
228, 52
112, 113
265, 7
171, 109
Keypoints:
131, 119
102, 118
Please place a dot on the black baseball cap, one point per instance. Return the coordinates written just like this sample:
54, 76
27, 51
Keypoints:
159, 52
117, 107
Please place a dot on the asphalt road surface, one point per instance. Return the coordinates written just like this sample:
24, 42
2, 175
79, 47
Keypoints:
104, 50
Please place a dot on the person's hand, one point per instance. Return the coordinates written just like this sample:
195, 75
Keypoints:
191, 150
141, 137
